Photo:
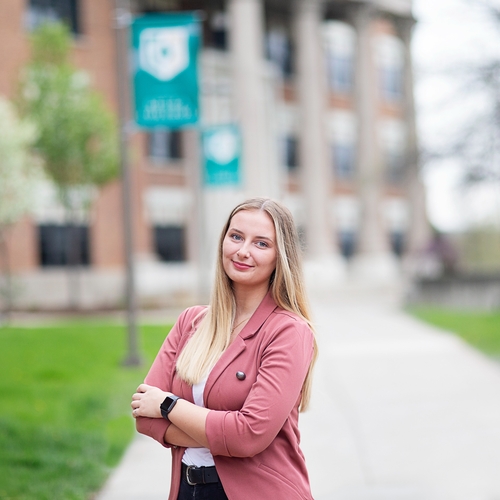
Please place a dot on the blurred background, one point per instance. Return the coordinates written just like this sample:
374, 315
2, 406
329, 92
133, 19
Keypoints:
380, 134
374, 122
377, 122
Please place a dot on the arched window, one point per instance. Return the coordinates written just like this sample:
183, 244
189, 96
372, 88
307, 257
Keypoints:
390, 62
340, 45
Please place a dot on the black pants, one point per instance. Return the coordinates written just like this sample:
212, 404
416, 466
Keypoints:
213, 491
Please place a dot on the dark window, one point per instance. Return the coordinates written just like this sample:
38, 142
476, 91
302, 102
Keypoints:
63, 245
279, 50
347, 241
218, 30
343, 157
155, 6
169, 243
397, 243
340, 73
41, 11
164, 144
290, 145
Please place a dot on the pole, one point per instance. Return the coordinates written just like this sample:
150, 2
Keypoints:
122, 23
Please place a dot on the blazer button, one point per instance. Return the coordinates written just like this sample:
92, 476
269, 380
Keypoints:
241, 375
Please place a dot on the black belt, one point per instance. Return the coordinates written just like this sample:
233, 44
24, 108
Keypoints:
199, 475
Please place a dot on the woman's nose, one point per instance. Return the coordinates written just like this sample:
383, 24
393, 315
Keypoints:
243, 251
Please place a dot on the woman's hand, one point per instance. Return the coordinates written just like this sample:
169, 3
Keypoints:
147, 400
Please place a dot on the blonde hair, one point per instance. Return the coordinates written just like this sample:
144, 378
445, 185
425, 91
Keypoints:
213, 334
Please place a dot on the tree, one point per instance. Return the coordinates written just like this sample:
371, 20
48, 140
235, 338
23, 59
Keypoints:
78, 137
19, 172
468, 116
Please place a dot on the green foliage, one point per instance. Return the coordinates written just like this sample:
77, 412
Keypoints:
480, 329
479, 249
19, 169
50, 44
20, 172
65, 402
78, 136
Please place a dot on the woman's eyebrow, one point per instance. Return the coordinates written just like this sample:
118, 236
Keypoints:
258, 237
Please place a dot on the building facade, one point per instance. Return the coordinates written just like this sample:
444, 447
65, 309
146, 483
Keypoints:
322, 92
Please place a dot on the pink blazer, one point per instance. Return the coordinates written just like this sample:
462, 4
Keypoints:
253, 429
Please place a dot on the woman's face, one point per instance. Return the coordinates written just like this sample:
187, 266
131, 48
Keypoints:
249, 248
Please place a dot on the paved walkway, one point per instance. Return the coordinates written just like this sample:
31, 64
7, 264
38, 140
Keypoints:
400, 411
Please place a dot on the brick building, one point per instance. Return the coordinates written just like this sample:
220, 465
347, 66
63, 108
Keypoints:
323, 94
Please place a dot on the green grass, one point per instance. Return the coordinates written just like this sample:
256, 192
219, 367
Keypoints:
480, 329
65, 415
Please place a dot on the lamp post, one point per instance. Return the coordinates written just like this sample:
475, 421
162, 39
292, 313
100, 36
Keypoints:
122, 23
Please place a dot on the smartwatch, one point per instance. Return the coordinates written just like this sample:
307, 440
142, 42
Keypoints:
168, 405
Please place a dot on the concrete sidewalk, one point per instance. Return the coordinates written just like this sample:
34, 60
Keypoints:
400, 411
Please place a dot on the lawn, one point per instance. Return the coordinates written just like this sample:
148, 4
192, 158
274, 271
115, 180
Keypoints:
65, 418
480, 329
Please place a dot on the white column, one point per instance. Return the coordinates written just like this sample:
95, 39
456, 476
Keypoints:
246, 40
374, 261
323, 263
419, 232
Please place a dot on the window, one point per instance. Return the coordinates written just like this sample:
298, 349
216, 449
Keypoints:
170, 243
63, 245
347, 242
339, 40
390, 62
343, 157
340, 73
290, 146
343, 132
393, 144
164, 145
279, 51
154, 6
397, 243
395, 166
40, 11
392, 83
218, 30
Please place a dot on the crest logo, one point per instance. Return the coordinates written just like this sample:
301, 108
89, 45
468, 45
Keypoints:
222, 147
163, 52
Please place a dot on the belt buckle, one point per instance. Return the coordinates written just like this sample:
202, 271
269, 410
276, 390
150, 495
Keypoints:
189, 467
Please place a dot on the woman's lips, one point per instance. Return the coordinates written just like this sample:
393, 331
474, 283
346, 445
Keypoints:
240, 266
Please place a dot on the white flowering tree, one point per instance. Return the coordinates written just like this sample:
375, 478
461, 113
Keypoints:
19, 174
78, 138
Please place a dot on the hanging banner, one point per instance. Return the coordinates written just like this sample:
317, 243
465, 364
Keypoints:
221, 146
165, 69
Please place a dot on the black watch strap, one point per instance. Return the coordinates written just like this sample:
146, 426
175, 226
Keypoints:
168, 405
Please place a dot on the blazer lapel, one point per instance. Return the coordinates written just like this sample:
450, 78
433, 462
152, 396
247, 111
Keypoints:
266, 307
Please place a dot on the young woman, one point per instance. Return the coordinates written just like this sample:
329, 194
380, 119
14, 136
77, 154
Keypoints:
225, 390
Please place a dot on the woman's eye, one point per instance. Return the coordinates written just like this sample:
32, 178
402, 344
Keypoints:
262, 244
236, 237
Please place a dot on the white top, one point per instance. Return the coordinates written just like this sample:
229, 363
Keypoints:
198, 456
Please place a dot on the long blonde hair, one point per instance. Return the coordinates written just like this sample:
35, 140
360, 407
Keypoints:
213, 334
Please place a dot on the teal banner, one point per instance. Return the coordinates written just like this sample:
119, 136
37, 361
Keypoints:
165, 69
221, 146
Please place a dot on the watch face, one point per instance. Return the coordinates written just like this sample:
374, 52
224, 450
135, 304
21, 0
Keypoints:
167, 402
167, 405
